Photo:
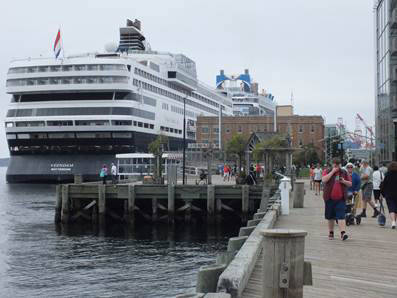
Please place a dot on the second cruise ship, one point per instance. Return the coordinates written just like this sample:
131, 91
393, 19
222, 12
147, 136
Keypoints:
70, 115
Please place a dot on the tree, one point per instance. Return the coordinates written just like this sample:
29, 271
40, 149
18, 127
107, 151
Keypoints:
236, 147
308, 155
157, 149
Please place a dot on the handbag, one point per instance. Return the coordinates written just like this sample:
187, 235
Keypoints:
381, 216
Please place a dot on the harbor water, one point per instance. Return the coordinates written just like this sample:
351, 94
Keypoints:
38, 259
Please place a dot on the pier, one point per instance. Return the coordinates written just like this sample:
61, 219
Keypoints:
126, 202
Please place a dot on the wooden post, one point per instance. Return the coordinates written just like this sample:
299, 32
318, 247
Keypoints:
210, 200
299, 194
95, 214
171, 203
58, 204
78, 179
283, 263
65, 204
188, 212
131, 204
154, 209
101, 204
245, 202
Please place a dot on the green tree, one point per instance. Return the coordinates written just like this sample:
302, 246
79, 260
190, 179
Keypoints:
275, 142
236, 147
308, 155
157, 149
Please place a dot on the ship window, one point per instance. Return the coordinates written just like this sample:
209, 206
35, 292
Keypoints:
140, 124
151, 126
55, 68
31, 69
17, 70
91, 67
145, 125
122, 135
171, 130
23, 136
24, 112
9, 124
38, 136
61, 135
121, 122
11, 136
67, 67
79, 67
60, 123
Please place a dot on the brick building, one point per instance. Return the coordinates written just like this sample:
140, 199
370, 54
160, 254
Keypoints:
304, 130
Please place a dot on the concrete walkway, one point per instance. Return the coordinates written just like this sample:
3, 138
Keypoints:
363, 266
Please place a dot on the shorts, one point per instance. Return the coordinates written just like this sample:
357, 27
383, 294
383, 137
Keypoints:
335, 209
391, 205
367, 192
377, 194
317, 181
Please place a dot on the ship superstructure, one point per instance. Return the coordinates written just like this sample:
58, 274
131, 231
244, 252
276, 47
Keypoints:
69, 116
247, 101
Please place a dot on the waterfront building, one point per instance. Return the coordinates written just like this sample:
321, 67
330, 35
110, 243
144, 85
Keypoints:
386, 79
72, 114
304, 130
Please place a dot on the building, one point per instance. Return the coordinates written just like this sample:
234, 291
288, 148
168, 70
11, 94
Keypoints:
247, 100
286, 110
386, 79
303, 130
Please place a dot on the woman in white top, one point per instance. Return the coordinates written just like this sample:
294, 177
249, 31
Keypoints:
377, 178
318, 175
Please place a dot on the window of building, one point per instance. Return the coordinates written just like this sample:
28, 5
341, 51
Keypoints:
300, 128
240, 129
227, 130
300, 142
312, 129
205, 129
216, 129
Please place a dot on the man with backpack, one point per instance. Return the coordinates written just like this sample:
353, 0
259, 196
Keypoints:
336, 183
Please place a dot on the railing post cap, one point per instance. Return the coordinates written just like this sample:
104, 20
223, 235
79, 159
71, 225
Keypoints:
283, 233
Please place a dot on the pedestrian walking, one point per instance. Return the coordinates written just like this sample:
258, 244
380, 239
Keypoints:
225, 172
383, 169
311, 174
388, 189
367, 188
356, 181
318, 175
103, 174
113, 171
258, 170
377, 178
336, 183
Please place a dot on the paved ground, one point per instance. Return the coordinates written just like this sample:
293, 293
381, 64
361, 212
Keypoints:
363, 266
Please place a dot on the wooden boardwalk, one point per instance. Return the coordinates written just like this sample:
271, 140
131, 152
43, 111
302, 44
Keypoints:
364, 266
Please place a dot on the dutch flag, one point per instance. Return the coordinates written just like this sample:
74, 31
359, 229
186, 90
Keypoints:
57, 44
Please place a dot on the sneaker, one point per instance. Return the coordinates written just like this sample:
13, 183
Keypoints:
331, 236
343, 236
376, 213
393, 225
363, 214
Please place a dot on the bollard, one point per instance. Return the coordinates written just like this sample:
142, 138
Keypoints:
245, 189
101, 204
283, 263
78, 179
299, 194
131, 204
236, 243
207, 278
285, 187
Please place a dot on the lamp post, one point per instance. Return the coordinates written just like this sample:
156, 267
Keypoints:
184, 140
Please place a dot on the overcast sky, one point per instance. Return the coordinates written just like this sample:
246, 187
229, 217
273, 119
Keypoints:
322, 50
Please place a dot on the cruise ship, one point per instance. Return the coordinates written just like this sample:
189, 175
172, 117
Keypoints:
73, 114
247, 100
